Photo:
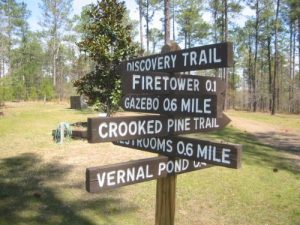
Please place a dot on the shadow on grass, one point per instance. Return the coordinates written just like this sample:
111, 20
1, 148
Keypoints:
25, 199
257, 153
283, 140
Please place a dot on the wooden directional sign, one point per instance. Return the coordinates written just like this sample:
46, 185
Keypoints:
221, 154
117, 175
199, 58
208, 105
189, 104
126, 128
163, 83
101, 129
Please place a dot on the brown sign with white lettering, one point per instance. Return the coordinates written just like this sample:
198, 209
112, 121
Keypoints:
117, 175
205, 105
126, 128
221, 154
163, 83
198, 58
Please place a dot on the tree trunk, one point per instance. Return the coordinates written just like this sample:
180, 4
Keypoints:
174, 36
167, 21
295, 102
216, 21
147, 25
270, 72
153, 47
141, 24
255, 54
294, 52
276, 59
233, 85
9, 34
291, 67
299, 42
225, 39
250, 86
54, 69
185, 40
2, 68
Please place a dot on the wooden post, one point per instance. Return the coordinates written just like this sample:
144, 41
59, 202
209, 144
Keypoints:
166, 187
165, 201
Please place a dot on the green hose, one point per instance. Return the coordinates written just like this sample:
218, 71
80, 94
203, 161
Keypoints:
66, 129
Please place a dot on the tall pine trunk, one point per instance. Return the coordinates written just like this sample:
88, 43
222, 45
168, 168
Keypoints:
233, 85
167, 21
141, 24
291, 81
54, 69
299, 42
250, 86
173, 14
276, 64
147, 25
254, 105
225, 35
270, 72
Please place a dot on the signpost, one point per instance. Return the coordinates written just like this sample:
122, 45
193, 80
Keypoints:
198, 58
186, 104
227, 155
163, 83
106, 129
207, 105
132, 172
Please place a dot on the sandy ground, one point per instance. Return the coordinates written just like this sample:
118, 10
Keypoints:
283, 139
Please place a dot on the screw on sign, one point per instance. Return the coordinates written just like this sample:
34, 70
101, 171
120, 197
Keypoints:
187, 104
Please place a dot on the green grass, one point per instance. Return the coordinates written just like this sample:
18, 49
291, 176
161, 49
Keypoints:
42, 182
31, 125
255, 194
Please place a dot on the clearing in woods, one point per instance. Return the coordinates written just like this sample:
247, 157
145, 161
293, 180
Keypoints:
42, 182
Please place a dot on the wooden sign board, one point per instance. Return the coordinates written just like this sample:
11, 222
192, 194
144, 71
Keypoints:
132, 127
78, 102
132, 172
198, 58
163, 83
205, 105
221, 154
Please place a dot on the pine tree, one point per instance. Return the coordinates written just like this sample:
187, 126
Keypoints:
155, 36
55, 22
13, 17
192, 27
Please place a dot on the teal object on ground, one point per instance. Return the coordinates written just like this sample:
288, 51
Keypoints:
66, 129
